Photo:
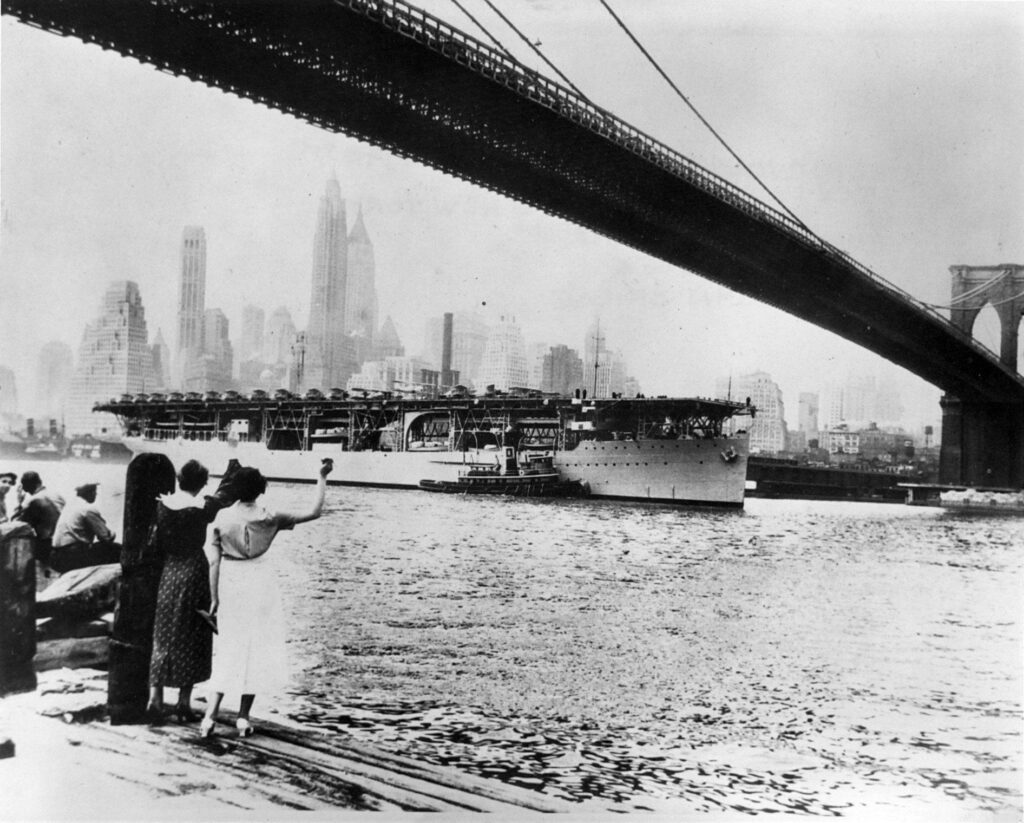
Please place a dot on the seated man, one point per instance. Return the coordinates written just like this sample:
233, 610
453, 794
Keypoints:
82, 537
41, 510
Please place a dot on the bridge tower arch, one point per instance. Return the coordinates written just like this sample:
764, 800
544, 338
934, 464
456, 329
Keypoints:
983, 442
1001, 287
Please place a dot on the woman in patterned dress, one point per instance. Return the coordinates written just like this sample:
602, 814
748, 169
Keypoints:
250, 655
182, 638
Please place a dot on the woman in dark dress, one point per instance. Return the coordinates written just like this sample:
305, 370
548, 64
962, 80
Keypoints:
182, 637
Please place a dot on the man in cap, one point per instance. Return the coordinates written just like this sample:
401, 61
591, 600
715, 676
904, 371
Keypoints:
82, 537
8, 480
41, 509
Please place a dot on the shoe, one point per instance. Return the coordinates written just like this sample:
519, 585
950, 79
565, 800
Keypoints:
244, 727
206, 728
155, 716
184, 714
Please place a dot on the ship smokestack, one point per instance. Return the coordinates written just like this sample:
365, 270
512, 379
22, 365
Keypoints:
446, 352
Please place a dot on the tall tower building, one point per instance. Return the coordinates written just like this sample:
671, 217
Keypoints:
327, 355
8, 392
212, 368
251, 344
361, 293
388, 343
113, 359
535, 364
504, 360
161, 356
469, 339
53, 380
280, 337
808, 414
768, 428
563, 371
191, 298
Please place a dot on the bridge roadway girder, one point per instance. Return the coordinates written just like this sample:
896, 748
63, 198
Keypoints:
342, 71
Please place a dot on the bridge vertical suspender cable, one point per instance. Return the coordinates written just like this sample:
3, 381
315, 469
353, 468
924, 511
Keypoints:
700, 117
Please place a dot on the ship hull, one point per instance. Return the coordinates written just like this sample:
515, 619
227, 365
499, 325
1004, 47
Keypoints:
693, 472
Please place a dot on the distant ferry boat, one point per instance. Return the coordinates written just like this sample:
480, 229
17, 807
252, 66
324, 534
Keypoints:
661, 449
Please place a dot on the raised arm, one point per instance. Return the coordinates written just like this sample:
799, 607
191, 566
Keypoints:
213, 551
318, 501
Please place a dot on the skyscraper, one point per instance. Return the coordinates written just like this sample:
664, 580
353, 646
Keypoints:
218, 352
277, 343
161, 356
388, 343
860, 400
191, 298
808, 415
361, 293
504, 361
8, 392
535, 354
768, 428
326, 351
112, 359
469, 339
563, 370
251, 344
53, 380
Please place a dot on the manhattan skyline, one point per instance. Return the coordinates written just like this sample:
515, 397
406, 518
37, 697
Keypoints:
882, 143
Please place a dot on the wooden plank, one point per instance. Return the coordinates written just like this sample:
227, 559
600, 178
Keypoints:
440, 775
150, 759
72, 653
389, 776
351, 753
407, 793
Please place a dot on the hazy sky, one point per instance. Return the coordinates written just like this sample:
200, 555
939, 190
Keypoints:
893, 130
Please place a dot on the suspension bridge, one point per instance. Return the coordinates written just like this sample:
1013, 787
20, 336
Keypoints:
389, 74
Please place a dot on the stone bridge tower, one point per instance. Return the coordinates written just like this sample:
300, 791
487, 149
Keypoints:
1002, 287
982, 442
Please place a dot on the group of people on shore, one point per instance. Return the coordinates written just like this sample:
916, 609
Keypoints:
68, 535
222, 627
194, 534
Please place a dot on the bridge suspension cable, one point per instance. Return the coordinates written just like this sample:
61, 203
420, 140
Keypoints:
992, 303
702, 119
482, 28
960, 298
538, 52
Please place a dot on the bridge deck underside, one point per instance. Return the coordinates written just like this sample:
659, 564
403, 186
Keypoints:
343, 72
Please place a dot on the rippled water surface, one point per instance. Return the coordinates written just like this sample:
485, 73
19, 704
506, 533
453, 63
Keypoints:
822, 658
818, 657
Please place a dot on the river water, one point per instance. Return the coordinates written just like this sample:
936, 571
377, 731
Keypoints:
819, 658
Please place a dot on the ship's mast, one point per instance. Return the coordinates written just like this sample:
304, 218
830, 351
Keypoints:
597, 354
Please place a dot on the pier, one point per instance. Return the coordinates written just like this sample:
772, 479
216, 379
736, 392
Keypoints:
63, 729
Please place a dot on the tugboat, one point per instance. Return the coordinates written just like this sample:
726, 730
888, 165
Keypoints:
536, 477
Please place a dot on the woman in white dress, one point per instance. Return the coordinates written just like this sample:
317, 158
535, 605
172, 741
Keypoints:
249, 653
